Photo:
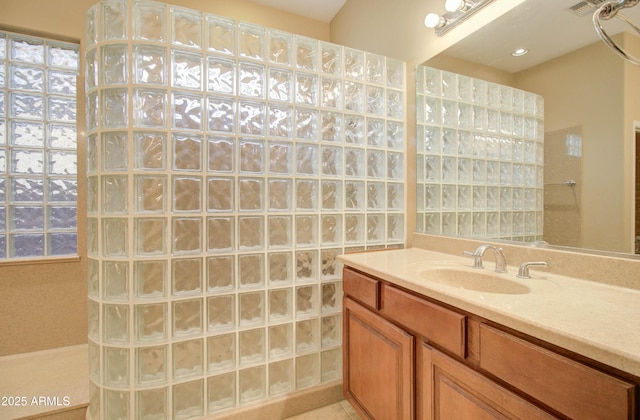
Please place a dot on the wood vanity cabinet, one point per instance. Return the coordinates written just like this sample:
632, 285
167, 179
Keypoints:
407, 356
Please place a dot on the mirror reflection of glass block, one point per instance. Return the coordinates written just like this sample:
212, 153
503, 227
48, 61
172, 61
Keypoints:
279, 268
252, 309
221, 352
220, 34
307, 371
251, 346
221, 392
492, 224
151, 403
479, 224
464, 198
280, 341
331, 331
306, 301
149, 279
395, 227
221, 154
280, 121
464, 224
116, 366
116, 280
375, 228
187, 358
505, 224
151, 365
187, 318
280, 305
280, 46
252, 384
220, 273
220, 313
188, 399
149, 21
116, 323
150, 65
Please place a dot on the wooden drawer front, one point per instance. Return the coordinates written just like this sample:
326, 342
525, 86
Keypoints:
440, 326
567, 386
362, 288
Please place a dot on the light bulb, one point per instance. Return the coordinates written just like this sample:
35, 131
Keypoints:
433, 20
519, 52
454, 5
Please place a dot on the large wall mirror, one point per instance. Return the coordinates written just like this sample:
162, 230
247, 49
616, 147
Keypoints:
591, 116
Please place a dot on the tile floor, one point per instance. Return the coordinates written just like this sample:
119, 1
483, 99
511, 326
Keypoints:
339, 411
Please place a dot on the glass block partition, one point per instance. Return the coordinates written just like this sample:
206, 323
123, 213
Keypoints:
480, 158
228, 165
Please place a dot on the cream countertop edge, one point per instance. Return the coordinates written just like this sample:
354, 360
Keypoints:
584, 327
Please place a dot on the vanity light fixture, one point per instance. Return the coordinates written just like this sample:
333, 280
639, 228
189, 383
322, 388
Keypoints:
519, 52
456, 12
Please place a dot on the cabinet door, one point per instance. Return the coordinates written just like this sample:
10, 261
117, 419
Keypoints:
447, 389
378, 365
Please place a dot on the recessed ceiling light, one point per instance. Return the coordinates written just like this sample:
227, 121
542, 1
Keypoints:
519, 52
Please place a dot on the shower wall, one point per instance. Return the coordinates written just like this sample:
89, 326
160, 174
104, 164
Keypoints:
480, 158
228, 165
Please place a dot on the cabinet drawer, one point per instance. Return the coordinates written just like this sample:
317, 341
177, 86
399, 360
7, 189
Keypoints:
440, 326
571, 388
361, 287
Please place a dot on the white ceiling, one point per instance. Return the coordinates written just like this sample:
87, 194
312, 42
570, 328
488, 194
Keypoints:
547, 28
322, 10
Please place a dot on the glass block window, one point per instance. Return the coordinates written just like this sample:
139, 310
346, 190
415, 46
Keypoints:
38, 158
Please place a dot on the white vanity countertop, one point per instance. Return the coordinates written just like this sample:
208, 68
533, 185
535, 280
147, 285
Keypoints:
593, 319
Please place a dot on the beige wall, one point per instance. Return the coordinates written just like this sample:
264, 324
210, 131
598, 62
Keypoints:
44, 305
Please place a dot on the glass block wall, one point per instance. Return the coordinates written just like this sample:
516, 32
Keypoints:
480, 158
228, 165
38, 183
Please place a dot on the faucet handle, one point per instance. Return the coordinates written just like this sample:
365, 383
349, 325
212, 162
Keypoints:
523, 271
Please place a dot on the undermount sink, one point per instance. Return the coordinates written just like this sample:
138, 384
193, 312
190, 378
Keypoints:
481, 281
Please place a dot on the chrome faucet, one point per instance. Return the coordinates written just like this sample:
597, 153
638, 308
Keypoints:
523, 271
501, 261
